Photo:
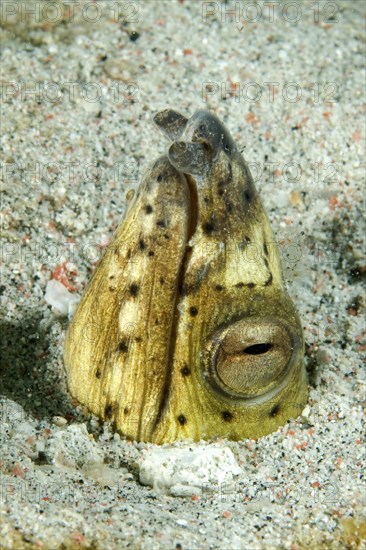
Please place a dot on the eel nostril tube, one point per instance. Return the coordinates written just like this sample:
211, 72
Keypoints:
180, 147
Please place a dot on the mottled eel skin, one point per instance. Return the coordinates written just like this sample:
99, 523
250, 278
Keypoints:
186, 329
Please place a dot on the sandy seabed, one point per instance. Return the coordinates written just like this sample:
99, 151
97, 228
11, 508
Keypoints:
80, 84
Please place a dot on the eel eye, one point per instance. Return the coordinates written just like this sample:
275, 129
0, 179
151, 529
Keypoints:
250, 357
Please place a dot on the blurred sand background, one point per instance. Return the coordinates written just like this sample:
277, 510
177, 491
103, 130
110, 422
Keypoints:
80, 83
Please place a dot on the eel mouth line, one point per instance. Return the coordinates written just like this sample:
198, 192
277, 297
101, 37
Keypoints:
193, 216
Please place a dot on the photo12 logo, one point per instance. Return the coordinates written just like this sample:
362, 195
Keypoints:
246, 12
53, 93
327, 493
69, 173
68, 11
253, 92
